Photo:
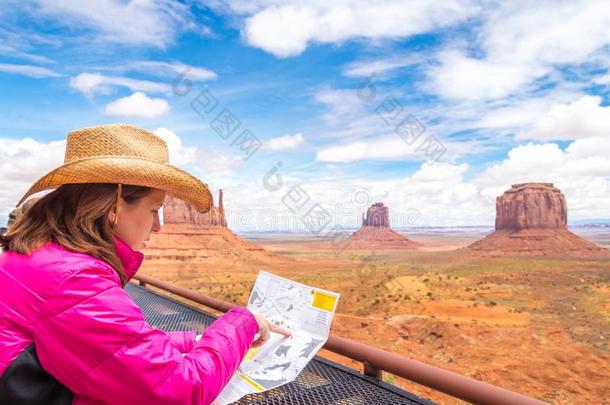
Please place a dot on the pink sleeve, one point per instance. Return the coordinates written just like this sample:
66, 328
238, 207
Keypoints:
184, 341
99, 346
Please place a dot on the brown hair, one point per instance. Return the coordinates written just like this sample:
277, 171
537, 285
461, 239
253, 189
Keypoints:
74, 216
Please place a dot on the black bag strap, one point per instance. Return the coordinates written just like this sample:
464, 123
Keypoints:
25, 382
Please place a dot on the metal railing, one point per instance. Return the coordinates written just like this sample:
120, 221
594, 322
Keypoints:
377, 360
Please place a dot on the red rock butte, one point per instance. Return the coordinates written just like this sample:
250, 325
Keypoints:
187, 235
376, 233
176, 211
531, 219
377, 215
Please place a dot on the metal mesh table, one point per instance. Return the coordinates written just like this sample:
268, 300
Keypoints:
321, 382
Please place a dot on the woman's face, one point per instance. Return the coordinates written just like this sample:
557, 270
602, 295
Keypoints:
138, 220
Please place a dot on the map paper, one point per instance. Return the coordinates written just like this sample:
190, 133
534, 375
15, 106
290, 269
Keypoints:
306, 311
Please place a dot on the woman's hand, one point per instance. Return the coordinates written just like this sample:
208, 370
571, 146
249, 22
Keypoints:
265, 328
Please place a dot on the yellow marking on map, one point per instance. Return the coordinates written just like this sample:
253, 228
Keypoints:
324, 301
251, 382
251, 353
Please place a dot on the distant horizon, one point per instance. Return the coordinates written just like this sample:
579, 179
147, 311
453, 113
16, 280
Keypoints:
575, 223
605, 222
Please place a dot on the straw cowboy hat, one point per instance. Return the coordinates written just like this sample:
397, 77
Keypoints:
123, 154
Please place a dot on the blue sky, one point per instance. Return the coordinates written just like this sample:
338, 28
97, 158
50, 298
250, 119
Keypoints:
434, 108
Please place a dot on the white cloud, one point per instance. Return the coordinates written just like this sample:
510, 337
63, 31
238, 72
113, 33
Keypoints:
13, 52
28, 70
521, 42
346, 153
604, 79
441, 187
284, 142
389, 147
138, 105
170, 69
178, 154
525, 163
341, 103
22, 162
442, 195
91, 83
150, 23
517, 113
287, 28
436, 194
211, 160
25, 44
393, 147
380, 67
462, 77
434, 172
207, 160
589, 148
581, 172
580, 119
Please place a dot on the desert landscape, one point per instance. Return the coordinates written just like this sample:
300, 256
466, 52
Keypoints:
442, 165
525, 306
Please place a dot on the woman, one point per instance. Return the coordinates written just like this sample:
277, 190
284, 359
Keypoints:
69, 333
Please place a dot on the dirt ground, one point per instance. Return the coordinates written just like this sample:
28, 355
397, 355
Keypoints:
539, 326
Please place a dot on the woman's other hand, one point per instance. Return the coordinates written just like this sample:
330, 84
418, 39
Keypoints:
265, 328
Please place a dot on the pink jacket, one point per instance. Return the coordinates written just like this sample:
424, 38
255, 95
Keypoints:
91, 336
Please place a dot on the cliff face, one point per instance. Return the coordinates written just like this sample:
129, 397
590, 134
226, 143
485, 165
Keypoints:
531, 206
531, 219
377, 215
176, 211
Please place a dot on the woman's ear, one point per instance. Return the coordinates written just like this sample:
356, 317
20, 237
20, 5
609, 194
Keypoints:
111, 217
115, 212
